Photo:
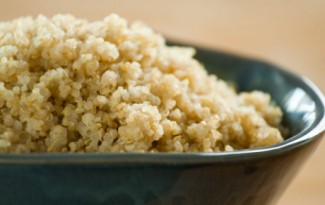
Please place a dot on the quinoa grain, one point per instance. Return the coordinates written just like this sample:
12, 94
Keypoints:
69, 85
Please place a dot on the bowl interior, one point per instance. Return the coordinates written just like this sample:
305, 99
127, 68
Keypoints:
302, 107
302, 103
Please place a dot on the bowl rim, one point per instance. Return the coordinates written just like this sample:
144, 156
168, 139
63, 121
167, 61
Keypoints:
298, 140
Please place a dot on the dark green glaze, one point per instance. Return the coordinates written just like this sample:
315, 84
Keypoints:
249, 177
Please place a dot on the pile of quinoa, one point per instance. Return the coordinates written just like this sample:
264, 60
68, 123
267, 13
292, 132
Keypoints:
69, 85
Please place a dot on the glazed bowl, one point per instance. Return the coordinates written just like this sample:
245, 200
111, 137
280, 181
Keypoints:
248, 177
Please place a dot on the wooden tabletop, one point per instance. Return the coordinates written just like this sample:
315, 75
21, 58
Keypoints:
290, 33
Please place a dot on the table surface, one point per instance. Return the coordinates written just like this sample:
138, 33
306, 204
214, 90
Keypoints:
290, 33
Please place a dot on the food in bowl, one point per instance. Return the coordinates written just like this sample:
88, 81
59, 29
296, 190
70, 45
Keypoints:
69, 85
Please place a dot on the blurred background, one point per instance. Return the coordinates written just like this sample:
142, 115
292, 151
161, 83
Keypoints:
289, 33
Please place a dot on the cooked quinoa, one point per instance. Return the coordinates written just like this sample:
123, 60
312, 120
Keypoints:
69, 85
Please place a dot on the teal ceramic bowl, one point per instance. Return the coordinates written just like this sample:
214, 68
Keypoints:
248, 177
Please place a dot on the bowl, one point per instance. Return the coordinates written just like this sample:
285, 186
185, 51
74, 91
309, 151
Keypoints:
247, 177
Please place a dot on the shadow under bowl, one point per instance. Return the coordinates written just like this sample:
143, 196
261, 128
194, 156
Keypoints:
248, 177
